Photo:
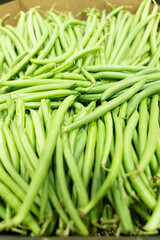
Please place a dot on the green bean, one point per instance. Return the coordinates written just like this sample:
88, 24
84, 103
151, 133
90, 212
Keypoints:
114, 12
143, 125
80, 144
122, 113
39, 131
114, 68
68, 75
72, 139
111, 39
37, 81
110, 75
30, 27
101, 110
30, 131
152, 135
20, 112
46, 111
150, 72
21, 23
64, 191
114, 169
39, 95
108, 138
36, 27
43, 69
58, 47
154, 164
90, 97
44, 197
89, 31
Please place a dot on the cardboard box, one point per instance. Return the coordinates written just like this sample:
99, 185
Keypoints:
14, 6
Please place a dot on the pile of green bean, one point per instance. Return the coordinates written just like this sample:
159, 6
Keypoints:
80, 123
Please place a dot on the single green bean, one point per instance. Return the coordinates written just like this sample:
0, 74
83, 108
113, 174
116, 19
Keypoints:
108, 138
114, 68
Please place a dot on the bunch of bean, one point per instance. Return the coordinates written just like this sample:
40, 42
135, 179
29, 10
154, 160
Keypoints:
79, 123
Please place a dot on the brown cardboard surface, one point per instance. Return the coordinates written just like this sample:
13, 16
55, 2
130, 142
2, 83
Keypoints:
75, 6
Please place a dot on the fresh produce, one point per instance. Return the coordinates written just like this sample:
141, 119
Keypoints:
79, 123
